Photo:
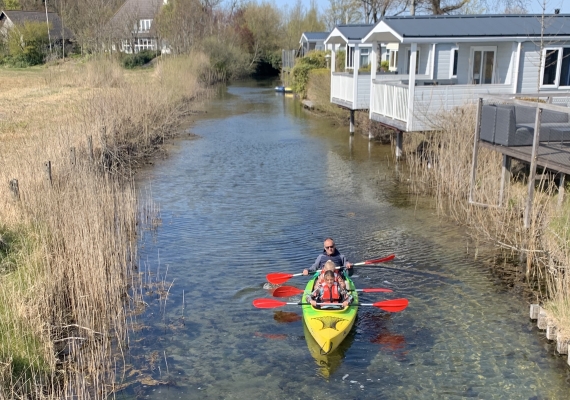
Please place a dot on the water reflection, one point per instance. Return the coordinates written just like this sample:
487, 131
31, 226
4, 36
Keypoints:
327, 364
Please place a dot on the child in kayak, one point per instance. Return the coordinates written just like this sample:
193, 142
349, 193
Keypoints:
329, 291
331, 266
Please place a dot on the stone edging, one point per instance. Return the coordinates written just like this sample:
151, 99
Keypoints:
538, 313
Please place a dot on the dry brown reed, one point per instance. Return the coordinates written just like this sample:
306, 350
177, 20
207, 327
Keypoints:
440, 165
67, 244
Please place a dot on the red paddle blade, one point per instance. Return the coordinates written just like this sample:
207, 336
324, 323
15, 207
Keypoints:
377, 290
286, 291
277, 278
392, 305
380, 260
268, 303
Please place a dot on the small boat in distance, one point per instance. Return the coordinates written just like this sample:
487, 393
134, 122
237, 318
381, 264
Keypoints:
283, 89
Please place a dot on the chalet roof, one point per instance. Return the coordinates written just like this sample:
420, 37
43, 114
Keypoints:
134, 10
313, 36
19, 17
342, 34
469, 26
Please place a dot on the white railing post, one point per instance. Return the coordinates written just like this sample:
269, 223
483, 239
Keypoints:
333, 69
411, 84
356, 66
373, 73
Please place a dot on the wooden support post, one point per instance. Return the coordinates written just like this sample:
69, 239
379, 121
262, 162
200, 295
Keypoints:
351, 122
15, 189
532, 175
475, 149
561, 189
72, 158
90, 148
505, 177
47, 168
399, 144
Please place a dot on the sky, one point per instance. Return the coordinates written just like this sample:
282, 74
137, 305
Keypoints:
533, 6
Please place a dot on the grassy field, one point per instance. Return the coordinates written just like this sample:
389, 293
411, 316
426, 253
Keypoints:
67, 235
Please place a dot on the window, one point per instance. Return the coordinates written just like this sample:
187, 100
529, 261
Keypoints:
364, 57
410, 59
144, 25
349, 57
393, 60
483, 61
453, 64
556, 67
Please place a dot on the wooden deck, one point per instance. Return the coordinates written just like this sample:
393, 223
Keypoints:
552, 155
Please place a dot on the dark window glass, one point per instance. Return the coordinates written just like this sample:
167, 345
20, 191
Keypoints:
565, 71
455, 57
550, 66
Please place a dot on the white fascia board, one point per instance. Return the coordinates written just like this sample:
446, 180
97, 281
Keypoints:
336, 37
380, 32
303, 37
481, 39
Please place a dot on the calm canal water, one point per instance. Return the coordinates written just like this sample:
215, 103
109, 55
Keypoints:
257, 192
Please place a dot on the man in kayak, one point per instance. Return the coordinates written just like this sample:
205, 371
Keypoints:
330, 252
329, 292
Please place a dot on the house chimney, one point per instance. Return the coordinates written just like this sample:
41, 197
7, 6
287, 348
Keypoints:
556, 11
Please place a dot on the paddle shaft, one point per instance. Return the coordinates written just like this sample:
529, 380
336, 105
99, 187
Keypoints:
278, 278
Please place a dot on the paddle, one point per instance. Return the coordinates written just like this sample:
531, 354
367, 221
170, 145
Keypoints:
288, 291
277, 278
386, 305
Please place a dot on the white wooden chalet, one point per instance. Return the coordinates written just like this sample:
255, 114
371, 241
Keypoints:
447, 61
312, 41
351, 88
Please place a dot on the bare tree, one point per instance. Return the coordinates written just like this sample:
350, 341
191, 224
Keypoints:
342, 12
373, 10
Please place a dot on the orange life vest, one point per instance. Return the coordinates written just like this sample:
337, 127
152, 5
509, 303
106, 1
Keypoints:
330, 294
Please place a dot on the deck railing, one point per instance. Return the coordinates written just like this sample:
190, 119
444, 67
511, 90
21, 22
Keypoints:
343, 90
342, 86
391, 99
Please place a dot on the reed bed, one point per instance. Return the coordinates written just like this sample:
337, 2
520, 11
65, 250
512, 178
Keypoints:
68, 234
440, 165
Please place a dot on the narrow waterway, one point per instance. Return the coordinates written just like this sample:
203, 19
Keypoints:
257, 192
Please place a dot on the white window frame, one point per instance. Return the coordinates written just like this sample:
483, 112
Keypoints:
144, 25
452, 59
472, 60
409, 53
393, 60
364, 50
559, 62
349, 62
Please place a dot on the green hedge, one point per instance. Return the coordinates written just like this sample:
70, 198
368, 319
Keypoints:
300, 72
139, 59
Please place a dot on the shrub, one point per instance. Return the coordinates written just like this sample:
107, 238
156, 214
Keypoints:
385, 66
227, 61
139, 59
300, 72
27, 44
340, 61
